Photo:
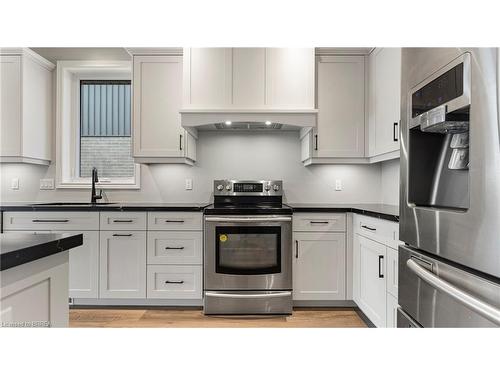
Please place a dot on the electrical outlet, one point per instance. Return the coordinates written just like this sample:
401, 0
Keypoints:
338, 185
46, 184
189, 184
14, 183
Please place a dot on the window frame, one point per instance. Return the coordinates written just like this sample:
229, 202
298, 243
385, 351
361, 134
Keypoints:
69, 75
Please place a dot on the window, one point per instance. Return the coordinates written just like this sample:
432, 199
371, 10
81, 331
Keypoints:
105, 141
94, 125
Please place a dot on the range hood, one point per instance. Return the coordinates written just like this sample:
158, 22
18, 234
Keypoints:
253, 120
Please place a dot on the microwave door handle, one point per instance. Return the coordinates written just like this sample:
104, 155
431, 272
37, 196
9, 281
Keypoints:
482, 308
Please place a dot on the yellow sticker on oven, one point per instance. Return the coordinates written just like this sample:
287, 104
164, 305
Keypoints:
223, 238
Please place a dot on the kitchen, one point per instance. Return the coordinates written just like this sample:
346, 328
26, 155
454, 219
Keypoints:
326, 187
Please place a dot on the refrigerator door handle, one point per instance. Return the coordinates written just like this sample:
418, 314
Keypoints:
482, 308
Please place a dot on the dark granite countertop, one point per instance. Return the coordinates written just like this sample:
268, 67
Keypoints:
381, 211
84, 206
21, 248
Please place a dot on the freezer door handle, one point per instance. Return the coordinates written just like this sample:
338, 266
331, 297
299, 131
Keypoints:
482, 308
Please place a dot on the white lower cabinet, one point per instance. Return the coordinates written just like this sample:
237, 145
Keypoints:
122, 264
372, 286
391, 311
319, 266
176, 282
84, 267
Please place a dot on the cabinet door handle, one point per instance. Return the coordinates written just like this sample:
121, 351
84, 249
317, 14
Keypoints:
180, 142
319, 222
369, 228
395, 137
50, 220
174, 248
122, 235
123, 221
380, 260
296, 249
174, 221
315, 142
174, 282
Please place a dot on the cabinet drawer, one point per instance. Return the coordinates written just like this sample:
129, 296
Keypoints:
392, 271
384, 231
59, 221
175, 221
172, 247
174, 282
123, 221
319, 222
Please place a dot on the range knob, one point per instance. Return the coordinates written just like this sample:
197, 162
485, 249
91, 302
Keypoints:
267, 187
228, 187
276, 187
220, 187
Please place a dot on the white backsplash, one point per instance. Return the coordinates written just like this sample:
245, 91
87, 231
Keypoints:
268, 155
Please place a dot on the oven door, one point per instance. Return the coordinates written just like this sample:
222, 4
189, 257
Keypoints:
248, 253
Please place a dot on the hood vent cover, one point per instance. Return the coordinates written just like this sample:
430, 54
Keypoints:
246, 125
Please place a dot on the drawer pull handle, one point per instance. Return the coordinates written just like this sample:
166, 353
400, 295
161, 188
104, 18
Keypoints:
296, 249
319, 222
122, 235
174, 282
123, 221
174, 221
174, 248
50, 220
367, 227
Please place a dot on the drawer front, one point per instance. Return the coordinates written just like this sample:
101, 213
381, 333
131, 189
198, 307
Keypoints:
174, 221
123, 221
319, 222
59, 221
176, 282
172, 247
392, 272
379, 230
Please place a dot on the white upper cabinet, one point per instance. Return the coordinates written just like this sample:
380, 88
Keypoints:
248, 78
384, 102
26, 106
157, 98
340, 87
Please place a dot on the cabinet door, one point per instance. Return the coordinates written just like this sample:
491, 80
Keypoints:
392, 310
123, 264
385, 99
319, 266
84, 267
157, 99
372, 289
10, 104
249, 77
341, 106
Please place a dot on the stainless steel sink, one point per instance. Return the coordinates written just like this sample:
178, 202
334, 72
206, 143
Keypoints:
73, 204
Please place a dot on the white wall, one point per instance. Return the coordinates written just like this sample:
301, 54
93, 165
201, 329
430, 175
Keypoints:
390, 182
226, 155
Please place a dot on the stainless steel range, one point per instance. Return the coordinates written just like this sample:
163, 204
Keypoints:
248, 249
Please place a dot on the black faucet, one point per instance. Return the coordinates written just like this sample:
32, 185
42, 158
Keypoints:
94, 197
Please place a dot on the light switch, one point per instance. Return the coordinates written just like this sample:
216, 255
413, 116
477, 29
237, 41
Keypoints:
46, 184
189, 184
14, 183
338, 185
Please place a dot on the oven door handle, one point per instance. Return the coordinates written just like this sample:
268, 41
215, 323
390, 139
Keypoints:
262, 295
482, 308
258, 219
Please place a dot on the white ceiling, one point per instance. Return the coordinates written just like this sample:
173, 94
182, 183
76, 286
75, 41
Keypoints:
54, 54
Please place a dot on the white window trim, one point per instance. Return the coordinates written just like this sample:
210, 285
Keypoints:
69, 74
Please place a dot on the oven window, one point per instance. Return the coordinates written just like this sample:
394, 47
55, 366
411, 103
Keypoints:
248, 250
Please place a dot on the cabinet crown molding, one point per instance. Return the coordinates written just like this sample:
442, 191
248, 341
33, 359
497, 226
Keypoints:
29, 53
148, 51
364, 51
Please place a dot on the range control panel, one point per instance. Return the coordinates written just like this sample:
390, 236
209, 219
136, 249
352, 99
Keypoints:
248, 187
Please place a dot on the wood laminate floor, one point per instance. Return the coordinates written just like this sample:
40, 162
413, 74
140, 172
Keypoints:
194, 318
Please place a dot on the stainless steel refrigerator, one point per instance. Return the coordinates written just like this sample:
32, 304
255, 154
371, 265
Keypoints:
449, 267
